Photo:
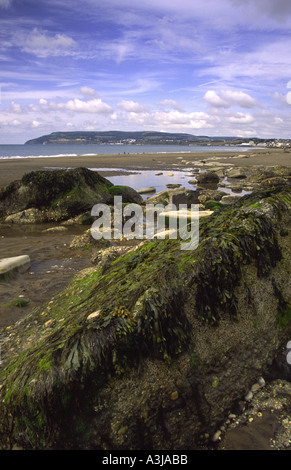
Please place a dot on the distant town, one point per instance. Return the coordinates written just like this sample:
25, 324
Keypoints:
152, 138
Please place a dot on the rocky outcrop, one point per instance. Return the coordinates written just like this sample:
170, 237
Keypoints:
153, 349
58, 195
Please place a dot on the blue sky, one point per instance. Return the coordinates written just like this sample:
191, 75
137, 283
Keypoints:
219, 67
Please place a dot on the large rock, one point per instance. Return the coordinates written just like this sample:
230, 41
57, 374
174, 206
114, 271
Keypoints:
209, 177
55, 195
155, 350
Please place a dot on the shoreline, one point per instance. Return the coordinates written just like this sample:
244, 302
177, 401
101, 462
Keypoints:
14, 168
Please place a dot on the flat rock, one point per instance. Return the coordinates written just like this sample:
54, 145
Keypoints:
56, 229
185, 214
228, 199
11, 266
236, 173
150, 189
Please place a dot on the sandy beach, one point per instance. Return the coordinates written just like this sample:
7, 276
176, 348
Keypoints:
14, 169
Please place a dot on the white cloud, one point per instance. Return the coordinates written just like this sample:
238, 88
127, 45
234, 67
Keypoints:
239, 98
5, 3
15, 107
228, 98
41, 44
167, 103
241, 118
79, 106
88, 92
212, 98
132, 107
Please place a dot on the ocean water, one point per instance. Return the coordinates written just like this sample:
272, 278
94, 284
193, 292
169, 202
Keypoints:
66, 150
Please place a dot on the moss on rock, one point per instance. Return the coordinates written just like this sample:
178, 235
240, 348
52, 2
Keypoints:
109, 352
59, 195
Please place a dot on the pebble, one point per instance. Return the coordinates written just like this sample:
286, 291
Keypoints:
255, 387
216, 436
249, 396
261, 382
94, 315
174, 395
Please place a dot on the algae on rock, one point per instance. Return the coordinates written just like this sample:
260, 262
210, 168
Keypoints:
57, 195
111, 351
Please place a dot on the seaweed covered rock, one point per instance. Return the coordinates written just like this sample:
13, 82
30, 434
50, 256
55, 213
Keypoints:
153, 351
56, 195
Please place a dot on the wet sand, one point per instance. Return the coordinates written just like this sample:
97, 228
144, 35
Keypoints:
53, 264
13, 169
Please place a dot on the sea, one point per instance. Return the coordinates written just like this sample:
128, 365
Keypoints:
67, 150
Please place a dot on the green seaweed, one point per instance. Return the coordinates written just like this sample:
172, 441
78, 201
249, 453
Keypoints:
138, 313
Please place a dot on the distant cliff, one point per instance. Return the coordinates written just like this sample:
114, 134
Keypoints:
120, 137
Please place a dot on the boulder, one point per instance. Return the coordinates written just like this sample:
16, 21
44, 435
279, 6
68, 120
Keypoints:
208, 177
56, 195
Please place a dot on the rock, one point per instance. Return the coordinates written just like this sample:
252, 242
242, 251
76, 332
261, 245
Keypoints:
93, 315
185, 214
210, 195
255, 388
208, 177
184, 196
261, 382
86, 240
216, 436
235, 173
173, 186
175, 395
11, 266
28, 216
249, 396
58, 195
204, 323
150, 189
229, 199
56, 229
274, 181
175, 196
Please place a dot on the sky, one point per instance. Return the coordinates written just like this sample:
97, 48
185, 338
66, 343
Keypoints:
217, 68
